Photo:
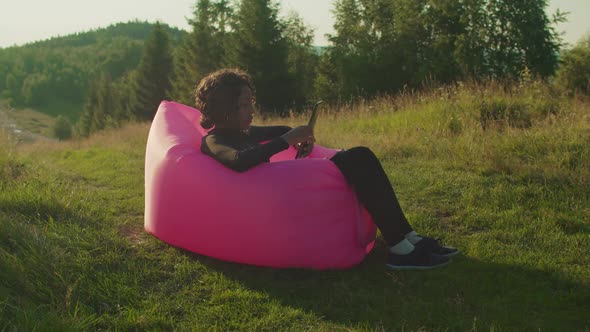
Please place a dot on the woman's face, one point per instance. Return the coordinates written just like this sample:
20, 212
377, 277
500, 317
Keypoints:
243, 118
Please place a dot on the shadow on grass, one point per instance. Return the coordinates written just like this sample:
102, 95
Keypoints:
43, 212
467, 294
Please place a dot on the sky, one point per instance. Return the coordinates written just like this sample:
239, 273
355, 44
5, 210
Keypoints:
23, 21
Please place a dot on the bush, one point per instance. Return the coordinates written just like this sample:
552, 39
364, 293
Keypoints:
574, 71
62, 129
499, 111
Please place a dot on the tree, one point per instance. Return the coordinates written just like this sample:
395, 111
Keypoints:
107, 105
85, 123
102, 108
203, 50
152, 79
519, 36
302, 60
446, 27
378, 45
385, 45
349, 56
327, 81
574, 72
11, 89
470, 50
259, 47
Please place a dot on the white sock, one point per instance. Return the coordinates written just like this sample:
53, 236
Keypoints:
403, 247
413, 237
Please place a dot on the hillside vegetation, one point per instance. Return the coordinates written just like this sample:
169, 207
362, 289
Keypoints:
109, 77
501, 172
54, 75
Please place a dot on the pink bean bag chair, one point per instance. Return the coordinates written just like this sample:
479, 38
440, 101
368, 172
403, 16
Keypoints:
287, 213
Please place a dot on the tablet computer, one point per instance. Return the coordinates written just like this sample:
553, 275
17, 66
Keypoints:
311, 123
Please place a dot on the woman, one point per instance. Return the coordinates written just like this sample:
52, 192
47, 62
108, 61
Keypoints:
226, 99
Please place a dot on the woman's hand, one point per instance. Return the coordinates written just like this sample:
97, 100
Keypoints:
299, 135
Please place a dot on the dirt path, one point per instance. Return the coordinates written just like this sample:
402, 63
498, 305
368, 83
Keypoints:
9, 125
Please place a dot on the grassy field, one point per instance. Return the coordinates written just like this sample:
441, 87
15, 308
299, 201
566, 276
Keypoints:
515, 198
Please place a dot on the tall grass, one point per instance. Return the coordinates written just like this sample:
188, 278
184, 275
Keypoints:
501, 171
521, 129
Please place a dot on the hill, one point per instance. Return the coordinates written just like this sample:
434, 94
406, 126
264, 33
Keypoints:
53, 76
501, 173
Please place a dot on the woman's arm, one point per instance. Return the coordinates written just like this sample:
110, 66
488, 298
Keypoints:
244, 159
261, 134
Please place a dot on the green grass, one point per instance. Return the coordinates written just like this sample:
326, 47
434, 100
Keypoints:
516, 201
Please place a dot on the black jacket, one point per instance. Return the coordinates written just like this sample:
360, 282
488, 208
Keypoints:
241, 150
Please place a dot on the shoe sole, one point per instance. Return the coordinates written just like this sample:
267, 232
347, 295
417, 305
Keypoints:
419, 267
449, 255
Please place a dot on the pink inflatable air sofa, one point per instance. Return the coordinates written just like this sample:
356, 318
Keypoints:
287, 213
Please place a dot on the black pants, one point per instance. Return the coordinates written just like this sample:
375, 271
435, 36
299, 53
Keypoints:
364, 173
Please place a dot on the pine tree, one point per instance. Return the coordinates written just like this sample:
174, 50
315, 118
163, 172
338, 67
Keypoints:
152, 77
84, 126
102, 108
203, 50
106, 108
260, 48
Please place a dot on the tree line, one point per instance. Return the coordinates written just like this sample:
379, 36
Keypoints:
249, 34
379, 46
386, 45
54, 76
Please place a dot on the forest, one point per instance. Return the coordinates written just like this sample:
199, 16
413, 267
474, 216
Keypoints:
113, 75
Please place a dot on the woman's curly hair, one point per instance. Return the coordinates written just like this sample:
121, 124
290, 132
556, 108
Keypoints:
216, 96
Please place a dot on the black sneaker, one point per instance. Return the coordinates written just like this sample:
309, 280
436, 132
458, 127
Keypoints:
419, 259
435, 246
